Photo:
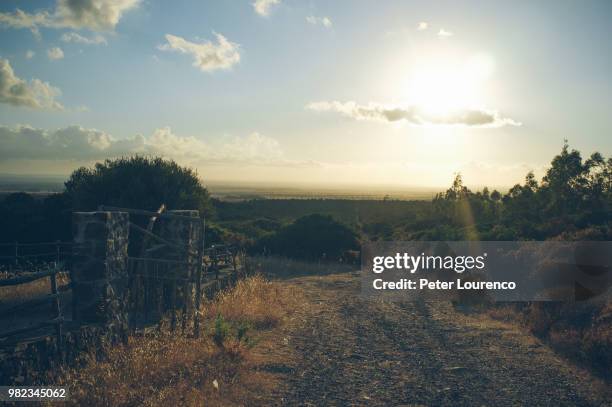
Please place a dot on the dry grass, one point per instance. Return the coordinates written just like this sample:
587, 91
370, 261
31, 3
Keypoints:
165, 370
254, 300
37, 288
280, 267
580, 331
177, 370
503, 313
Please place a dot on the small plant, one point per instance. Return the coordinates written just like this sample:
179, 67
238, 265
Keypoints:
242, 333
222, 330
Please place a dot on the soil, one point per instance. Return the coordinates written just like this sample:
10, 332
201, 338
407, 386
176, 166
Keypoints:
340, 349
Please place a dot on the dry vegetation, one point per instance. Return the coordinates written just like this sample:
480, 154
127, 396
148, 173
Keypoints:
581, 331
253, 301
14, 294
178, 370
282, 267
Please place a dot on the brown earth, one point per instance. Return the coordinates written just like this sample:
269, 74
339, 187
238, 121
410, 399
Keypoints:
340, 349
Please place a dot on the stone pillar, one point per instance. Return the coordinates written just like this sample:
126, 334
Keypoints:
99, 271
184, 234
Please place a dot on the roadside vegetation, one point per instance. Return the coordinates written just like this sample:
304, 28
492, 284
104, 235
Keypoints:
174, 369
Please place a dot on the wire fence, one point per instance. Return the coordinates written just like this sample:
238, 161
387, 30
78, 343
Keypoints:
52, 298
18, 257
157, 286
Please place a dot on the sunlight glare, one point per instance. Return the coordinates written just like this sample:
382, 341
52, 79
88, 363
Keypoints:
440, 86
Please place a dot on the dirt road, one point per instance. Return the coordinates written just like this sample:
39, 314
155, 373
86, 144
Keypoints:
341, 350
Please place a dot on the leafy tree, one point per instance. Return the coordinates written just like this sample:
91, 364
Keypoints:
495, 196
565, 181
19, 212
311, 237
27, 218
574, 195
137, 182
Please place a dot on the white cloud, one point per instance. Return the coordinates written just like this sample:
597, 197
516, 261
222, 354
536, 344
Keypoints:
17, 92
207, 56
444, 34
414, 115
262, 7
55, 53
423, 25
20, 19
94, 15
324, 21
253, 148
29, 54
80, 39
73, 142
78, 143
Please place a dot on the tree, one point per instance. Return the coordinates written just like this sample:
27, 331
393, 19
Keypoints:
573, 195
457, 190
311, 237
20, 211
566, 181
29, 218
137, 182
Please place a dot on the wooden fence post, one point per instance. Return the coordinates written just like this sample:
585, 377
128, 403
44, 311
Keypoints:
58, 310
57, 252
173, 304
198, 298
16, 254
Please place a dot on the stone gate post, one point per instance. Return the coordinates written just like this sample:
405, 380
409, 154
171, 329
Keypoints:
99, 271
185, 234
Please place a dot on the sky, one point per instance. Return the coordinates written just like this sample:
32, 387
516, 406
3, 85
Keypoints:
349, 92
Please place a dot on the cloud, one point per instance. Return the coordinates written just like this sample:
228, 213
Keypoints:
21, 20
94, 15
207, 56
253, 148
29, 54
324, 21
444, 34
423, 25
80, 39
17, 92
73, 142
82, 144
55, 53
414, 115
262, 7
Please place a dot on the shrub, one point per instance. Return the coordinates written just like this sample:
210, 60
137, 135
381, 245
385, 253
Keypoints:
222, 330
137, 182
311, 237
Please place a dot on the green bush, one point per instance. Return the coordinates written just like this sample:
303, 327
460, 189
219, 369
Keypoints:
222, 330
137, 182
312, 237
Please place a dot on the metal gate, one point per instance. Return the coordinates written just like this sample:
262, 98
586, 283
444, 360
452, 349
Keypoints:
165, 269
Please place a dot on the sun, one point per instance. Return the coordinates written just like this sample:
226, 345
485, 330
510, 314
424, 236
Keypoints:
439, 86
